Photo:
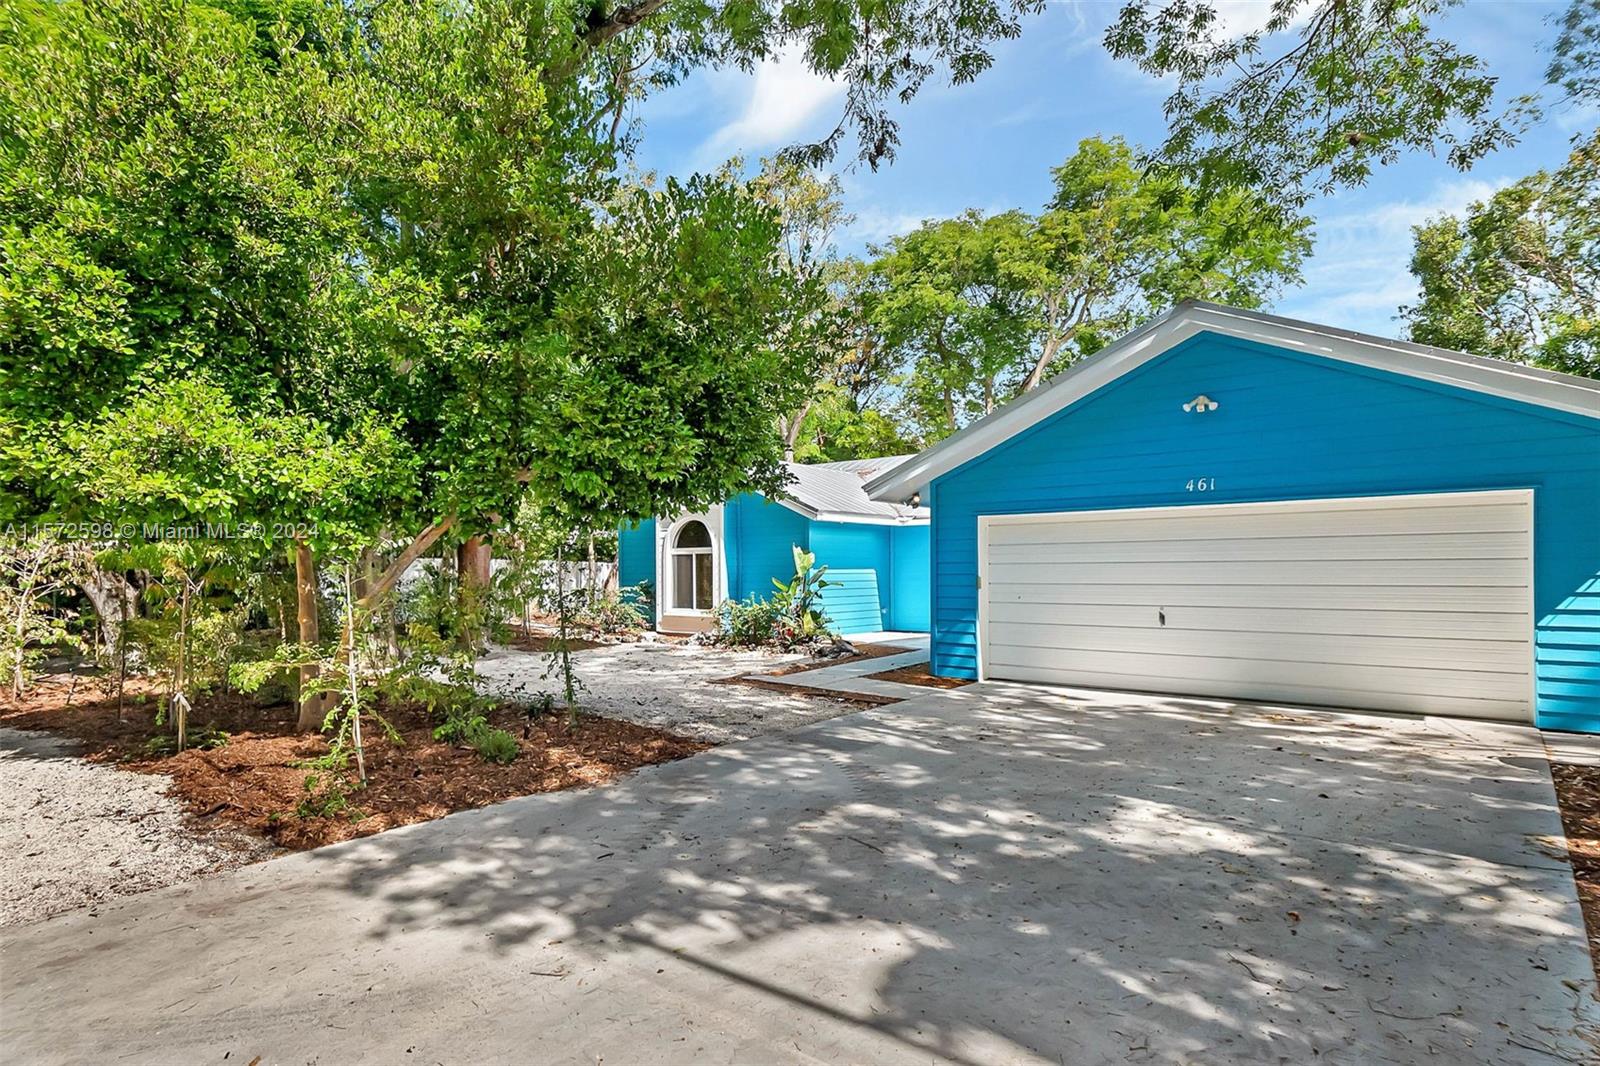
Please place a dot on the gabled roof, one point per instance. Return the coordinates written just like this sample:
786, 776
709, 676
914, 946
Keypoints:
1496, 377
833, 492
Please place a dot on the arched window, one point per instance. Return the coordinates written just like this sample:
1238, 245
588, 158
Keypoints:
693, 588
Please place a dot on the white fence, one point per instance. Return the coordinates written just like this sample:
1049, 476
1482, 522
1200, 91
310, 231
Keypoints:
575, 575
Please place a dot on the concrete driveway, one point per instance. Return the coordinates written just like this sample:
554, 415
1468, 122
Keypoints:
990, 875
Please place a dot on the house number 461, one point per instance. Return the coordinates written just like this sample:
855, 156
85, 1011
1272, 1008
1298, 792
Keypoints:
1201, 484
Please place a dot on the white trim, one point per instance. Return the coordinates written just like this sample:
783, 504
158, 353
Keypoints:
1562, 392
984, 521
1525, 495
665, 552
850, 517
868, 520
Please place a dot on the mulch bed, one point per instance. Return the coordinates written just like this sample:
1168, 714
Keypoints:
538, 641
1578, 792
255, 780
863, 651
917, 674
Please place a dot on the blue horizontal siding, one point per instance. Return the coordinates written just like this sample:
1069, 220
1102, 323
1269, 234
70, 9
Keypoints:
1293, 426
858, 559
852, 601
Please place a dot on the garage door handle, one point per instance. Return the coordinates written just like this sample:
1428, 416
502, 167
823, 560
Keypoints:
1161, 613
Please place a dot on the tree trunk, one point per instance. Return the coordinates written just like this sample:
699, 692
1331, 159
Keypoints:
379, 587
1052, 345
790, 427
115, 600
19, 671
590, 578
314, 707
473, 564
473, 561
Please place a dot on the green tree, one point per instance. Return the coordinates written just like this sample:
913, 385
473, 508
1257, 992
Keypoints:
1575, 59
810, 211
976, 309
372, 276
1118, 243
1318, 96
1518, 276
952, 316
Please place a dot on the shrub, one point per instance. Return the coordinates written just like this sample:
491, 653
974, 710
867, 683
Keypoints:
792, 617
492, 745
801, 618
747, 623
609, 613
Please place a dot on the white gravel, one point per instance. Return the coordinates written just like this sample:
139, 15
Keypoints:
669, 686
76, 833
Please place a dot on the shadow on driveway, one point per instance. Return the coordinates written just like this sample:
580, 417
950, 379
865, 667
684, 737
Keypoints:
998, 873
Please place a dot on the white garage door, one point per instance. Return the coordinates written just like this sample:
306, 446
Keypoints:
1410, 603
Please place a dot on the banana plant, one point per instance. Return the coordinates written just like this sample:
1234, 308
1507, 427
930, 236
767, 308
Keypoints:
800, 597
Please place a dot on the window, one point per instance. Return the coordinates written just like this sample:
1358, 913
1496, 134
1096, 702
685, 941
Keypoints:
692, 586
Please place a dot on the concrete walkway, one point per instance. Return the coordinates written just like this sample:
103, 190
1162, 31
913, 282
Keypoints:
992, 874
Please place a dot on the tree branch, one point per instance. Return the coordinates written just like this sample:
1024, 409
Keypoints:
412, 553
620, 21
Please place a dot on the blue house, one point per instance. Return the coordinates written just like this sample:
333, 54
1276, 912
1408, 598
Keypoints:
876, 552
1231, 504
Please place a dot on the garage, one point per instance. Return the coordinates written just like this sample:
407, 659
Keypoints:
1228, 504
1412, 603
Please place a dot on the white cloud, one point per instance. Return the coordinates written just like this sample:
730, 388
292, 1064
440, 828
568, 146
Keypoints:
1359, 275
874, 225
779, 101
1235, 18
1570, 116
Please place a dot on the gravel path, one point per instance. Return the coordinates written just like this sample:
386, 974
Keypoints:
76, 833
670, 686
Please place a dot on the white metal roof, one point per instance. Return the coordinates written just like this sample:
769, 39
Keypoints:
1546, 388
834, 492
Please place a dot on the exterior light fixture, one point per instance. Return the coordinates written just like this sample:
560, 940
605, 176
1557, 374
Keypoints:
1201, 404
916, 499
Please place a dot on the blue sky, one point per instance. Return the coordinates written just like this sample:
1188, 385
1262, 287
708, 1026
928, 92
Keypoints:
991, 144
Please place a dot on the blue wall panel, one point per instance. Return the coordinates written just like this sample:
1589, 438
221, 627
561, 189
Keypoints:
852, 601
636, 553
761, 538
845, 549
1294, 426
909, 575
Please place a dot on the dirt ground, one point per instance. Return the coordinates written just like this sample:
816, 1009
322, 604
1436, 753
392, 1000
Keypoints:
1578, 792
259, 781
917, 674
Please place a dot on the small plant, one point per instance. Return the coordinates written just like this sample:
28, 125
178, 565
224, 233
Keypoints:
458, 726
492, 745
609, 613
203, 739
642, 597
801, 619
327, 796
